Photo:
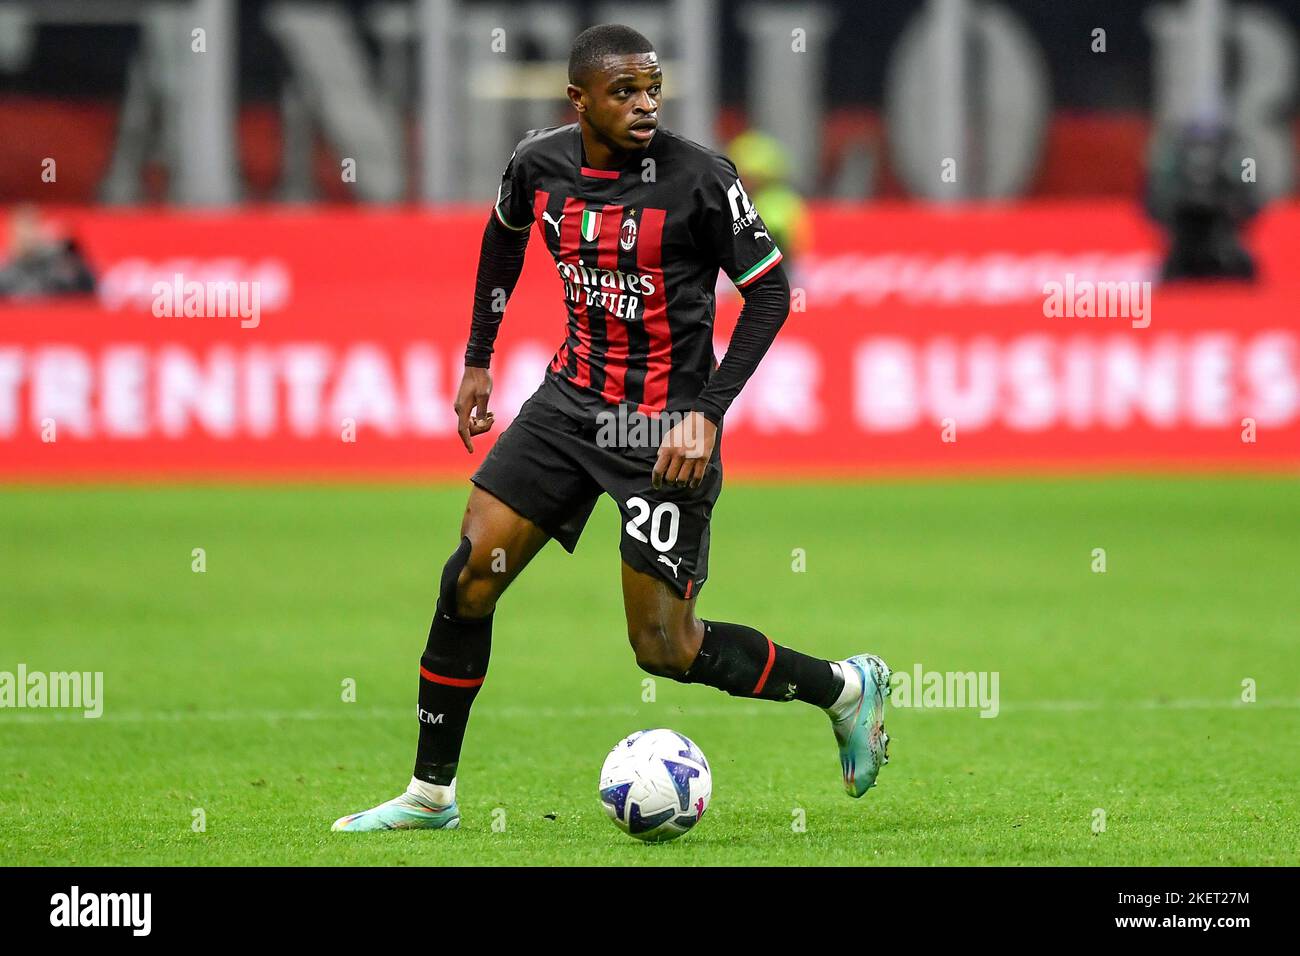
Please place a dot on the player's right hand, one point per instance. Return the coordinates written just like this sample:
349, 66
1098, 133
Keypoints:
472, 415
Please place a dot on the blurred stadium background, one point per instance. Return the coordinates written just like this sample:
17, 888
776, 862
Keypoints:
930, 168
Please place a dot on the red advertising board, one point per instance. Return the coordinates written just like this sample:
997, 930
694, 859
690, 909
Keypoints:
921, 339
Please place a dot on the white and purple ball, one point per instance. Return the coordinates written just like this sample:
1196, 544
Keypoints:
655, 785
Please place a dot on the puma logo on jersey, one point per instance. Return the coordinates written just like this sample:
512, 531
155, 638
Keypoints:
554, 222
663, 558
762, 232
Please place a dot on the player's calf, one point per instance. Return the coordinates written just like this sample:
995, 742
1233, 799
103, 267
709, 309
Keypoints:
452, 669
670, 641
665, 650
746, 663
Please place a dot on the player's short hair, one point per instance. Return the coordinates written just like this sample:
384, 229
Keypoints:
593, 44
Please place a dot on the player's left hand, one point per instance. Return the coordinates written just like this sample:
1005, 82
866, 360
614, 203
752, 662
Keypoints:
684, 453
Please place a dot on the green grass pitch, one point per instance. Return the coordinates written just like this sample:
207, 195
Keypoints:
1119, 691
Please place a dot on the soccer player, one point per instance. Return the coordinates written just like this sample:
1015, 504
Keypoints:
638, 220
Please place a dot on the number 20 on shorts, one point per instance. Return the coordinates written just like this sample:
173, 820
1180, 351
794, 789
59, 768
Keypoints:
642, 512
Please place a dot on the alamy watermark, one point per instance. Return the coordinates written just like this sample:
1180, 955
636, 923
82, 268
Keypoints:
212, 300
130, 910
629, 428
1085, 299
76, 690
924, 689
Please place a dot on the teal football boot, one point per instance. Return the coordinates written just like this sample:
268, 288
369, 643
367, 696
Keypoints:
859, 725
400, 813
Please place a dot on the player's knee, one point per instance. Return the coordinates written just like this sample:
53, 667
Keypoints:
662, 650
468, 589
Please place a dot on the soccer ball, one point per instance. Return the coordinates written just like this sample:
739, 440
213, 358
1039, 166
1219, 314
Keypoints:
655, 785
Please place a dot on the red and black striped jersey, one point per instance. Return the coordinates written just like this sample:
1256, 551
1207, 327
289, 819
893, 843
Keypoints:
637, 251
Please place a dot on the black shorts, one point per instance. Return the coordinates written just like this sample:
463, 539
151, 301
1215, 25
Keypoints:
551, 467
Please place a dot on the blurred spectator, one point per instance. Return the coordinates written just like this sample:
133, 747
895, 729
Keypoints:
41, 264
765, 168
1197, 192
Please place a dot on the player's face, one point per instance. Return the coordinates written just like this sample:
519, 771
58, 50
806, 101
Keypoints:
623, 100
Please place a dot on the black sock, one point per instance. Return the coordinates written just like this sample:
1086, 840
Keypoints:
451, 671
744, 663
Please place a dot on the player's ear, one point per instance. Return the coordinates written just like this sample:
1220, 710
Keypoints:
577, 97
